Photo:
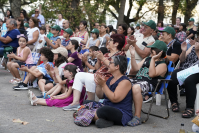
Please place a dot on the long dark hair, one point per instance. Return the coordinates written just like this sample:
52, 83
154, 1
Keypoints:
22, 22
10, 13
124, 27
35, 21
110, 28
61, 59
162, 56
76, 44
184, 26
71, 68
25, 14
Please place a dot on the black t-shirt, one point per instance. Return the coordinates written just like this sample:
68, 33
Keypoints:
175, 48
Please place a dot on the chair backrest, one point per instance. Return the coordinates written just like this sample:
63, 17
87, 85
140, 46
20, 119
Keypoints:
170, 69
128, 65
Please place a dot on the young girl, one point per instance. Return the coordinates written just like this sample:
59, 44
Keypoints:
23, 57
60, 57
55, 41
83, 34
73, 57
94, 41
64, 99
41, 40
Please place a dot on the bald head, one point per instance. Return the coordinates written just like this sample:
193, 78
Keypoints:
65, 24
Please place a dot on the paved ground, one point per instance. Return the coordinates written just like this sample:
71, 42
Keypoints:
15, 104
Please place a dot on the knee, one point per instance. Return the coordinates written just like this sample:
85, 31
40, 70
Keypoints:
48, 86
41, 81
9, 64
136, 89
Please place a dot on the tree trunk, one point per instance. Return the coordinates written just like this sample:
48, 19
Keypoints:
121, 12
161, 10
15, 7
190, 5
174, 12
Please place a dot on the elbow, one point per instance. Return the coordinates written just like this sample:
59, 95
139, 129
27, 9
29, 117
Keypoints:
151, 75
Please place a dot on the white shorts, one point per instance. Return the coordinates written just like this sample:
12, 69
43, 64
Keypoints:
83, 78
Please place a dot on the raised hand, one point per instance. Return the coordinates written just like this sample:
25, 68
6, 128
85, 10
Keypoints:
184, 46
131, 40
99, 55
158, 55
100, 80
192, 42
47, 67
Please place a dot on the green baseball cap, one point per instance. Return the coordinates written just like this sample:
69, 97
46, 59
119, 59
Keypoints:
159, 45
68, 30
26, 25
151, 24
137, 25
95, 31
169, 30
191, 19
56, 27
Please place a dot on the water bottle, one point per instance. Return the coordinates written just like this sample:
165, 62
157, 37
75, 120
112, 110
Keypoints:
182, 130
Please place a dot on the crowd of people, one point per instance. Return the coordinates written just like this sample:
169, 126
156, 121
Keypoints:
76, 65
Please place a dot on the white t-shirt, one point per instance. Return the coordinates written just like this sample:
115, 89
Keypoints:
139, 42
60, 69
30, 33
59, 22
40, 45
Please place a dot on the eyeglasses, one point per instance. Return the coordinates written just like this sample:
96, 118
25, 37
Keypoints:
36, 11
63, 23
110, 40
111, 62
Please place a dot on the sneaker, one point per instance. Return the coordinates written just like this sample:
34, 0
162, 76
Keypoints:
71, 107
21, 86
102, 123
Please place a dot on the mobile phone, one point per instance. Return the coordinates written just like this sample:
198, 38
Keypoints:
144, 43
187, 41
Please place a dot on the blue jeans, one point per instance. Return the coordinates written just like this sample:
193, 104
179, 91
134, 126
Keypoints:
1, 51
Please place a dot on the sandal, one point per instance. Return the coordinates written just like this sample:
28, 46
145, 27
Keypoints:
188, 113
33, 102
134, 122
16, 81
12, 80
175, 107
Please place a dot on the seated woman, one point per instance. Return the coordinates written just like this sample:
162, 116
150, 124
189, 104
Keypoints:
188, 59
148, 71
117, 95
23, 57
60, 57
115, 46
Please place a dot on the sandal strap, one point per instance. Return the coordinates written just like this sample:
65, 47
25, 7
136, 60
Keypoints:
135, 121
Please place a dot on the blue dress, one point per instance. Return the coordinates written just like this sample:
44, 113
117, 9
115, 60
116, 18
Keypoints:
125, 106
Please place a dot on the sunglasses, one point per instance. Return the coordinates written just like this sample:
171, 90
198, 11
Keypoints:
36, 11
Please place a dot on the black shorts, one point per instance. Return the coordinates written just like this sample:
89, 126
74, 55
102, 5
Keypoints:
48, 81
20, 63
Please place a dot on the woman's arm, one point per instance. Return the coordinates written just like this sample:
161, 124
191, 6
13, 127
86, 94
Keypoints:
97, 43
191, 35
26, 52
35, 37
85, 38
70, 59
120, 92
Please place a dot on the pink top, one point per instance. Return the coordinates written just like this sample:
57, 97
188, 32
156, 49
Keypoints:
82, 37
160, 28
29, 59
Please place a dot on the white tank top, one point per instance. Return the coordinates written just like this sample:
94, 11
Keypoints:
30, 33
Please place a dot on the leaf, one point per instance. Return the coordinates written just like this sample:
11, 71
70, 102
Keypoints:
17, 120
47, 120
24, 123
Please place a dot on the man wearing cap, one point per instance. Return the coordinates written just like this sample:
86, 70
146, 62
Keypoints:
191, 29
174, 47
55, 40
66, 34
141, 41
10, 38
40, 17
65, 25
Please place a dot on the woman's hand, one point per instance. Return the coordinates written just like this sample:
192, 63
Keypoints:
56, 70
23, 68
99, 55
132, 50
80, 56
184, 46
11, 55
192, 42
100, 80
52, 98
158, 55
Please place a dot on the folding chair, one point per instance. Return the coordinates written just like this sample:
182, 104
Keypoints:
163, 87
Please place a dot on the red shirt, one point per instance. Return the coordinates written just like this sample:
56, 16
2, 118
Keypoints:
61, 33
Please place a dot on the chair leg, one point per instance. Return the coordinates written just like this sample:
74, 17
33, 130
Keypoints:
149, 112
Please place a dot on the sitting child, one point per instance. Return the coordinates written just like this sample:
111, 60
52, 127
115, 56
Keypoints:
54, 41
42, 40
23, 57
64, 99
66, 34
60, 57
37, 71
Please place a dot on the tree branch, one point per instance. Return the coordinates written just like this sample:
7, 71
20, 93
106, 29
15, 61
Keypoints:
113, 14
130, 8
